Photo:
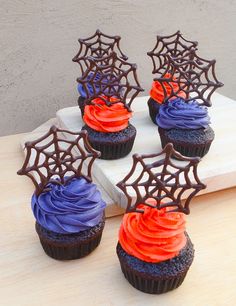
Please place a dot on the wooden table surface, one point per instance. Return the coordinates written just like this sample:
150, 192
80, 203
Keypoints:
29, 277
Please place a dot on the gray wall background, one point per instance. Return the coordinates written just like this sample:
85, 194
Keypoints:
39, 38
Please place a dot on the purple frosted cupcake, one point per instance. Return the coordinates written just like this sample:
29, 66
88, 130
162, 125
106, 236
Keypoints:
69, 218
93, 88
82, 97
67, 206
97, 46
186, 126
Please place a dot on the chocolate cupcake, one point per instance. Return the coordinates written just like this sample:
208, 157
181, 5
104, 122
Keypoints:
67, 206
158, 93
93, 90
109, 129
152, 264
82, 97
98, 46
182, 117
175, 46
154, 249
107, 116
186, 126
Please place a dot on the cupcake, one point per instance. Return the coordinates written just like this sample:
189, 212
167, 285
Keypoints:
154, 256
98, 46
186, 126
182, 117
154, 249
108, 128
82, 96
67, 206
158, 93
175, 46
92, 90
107, 112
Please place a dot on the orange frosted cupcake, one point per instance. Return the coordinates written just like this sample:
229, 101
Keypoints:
97, 46
159, 92
173, 46
108, 107
108, 127
154, 249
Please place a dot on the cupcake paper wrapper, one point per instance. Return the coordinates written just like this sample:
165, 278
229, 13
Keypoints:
153, 107
70, 246
81, 103
186, 149
156, 278
112, 148
113, 151
149, 285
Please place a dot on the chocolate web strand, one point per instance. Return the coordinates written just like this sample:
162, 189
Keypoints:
174, 45
98, 45
163, 184
117, 78
58, 161
193, 76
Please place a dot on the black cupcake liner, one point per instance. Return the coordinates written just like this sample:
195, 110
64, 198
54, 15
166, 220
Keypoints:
81, 103
156, 278
153, 107
186, 149
70, 246
152, 286
112, 145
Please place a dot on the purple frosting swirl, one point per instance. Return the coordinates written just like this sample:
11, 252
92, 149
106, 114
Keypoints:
177, 114
97, 78
90, 88
70, 208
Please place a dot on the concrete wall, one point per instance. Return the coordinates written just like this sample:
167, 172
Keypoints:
39, 38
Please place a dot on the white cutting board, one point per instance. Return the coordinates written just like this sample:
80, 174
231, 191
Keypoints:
217, 169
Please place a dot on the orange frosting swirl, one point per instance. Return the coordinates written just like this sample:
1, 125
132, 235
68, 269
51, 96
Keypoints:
106, 119
153, 236
157, 92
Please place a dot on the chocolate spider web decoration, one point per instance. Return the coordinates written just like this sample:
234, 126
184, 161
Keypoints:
51, 158
174, 45
161, 180
99, 45
194, 76
117, 78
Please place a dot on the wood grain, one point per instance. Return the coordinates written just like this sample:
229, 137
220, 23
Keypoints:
29, 277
